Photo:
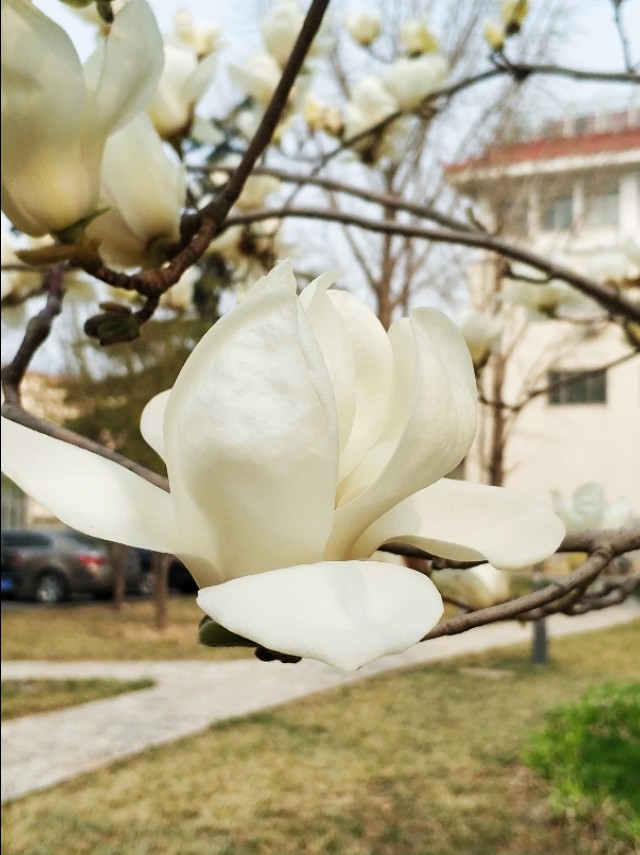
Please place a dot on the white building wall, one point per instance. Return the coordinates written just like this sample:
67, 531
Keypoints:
563, 446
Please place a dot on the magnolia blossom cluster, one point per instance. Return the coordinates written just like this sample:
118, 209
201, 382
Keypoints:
83, 157
482, 333
259, 75
588, 508
300, 437
399, 87
543, 299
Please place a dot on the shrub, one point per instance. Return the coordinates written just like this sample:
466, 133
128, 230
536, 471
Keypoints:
590, 752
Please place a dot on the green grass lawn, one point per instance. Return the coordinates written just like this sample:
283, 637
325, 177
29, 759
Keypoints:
26, 697
420, 762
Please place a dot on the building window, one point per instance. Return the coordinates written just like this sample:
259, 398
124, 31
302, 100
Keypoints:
602, 208
512, 217
557, 213
577, 387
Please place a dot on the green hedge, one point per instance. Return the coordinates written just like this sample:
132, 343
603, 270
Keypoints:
590, 752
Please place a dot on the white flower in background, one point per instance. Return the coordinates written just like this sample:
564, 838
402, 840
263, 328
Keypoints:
546, 299
257, 77
411, 80
477, 587
281, 28
482, 334
417, 38
145, 188
299, 437
619, 266
363, 27
322, 117
588, 508
57, 114
184, 81
203, 38
494, 35
370, 104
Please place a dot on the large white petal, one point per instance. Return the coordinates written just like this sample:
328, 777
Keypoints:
463, 521
89, 492
279, 278
152, 422
335, 344
430, 424
251, 438
123, 72
373, 363
345, 613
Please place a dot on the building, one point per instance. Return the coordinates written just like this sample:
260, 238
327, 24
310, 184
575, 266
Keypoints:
570, 192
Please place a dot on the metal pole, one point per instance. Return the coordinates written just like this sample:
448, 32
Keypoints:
539, 646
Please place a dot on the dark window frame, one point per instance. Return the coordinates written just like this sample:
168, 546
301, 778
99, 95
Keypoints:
576, 387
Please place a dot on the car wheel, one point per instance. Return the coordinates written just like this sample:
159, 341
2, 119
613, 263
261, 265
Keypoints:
51, 588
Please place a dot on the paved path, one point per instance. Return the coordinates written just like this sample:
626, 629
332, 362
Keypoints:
39, 751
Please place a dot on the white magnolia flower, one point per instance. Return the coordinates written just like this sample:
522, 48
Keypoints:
146, 190
482, 334
410, 79
184, 81
588, 508
257, 77
477, 587
203, 38
322, 117
545, 299
370, 104
298, 438
417, 38
363, 27
619, 266
281, 28
57, 114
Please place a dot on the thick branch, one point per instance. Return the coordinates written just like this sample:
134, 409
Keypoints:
606, 297
36, 333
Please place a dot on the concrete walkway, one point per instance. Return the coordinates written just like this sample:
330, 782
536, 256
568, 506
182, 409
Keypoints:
39, 751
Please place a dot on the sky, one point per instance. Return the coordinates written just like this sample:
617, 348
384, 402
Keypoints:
591, 43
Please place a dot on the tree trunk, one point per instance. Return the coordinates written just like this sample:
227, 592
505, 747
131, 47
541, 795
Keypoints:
118, 555
160, 569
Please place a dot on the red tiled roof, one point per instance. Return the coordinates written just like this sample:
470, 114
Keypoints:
547, 149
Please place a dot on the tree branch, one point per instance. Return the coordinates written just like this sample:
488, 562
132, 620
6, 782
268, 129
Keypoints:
606, 297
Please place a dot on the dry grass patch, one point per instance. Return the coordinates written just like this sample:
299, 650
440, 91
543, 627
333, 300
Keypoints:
96, 631
26, 697
420, 762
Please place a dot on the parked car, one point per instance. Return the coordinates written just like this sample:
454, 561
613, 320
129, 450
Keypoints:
49, 566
